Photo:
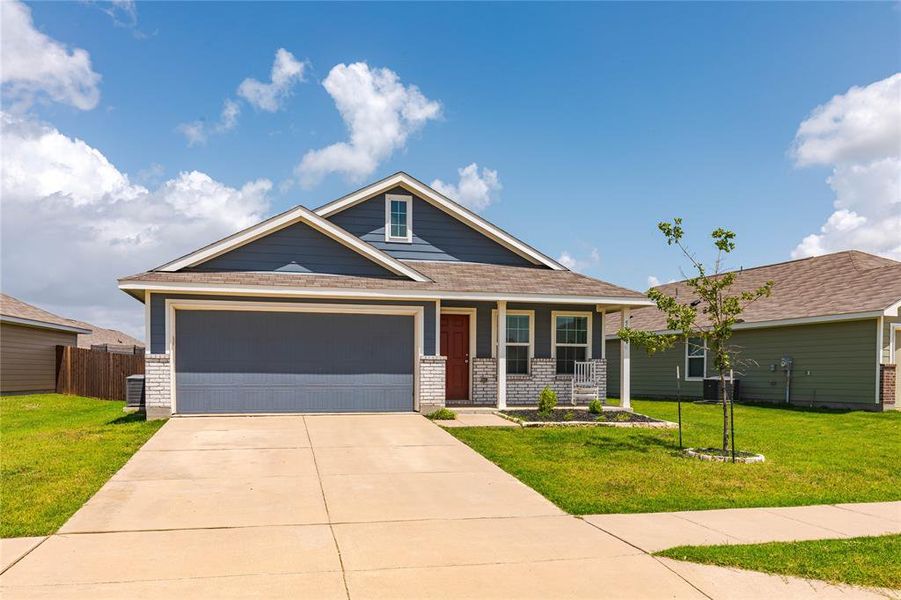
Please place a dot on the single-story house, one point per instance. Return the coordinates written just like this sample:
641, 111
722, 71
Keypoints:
28, 340
108, 340
392, 298
829, 335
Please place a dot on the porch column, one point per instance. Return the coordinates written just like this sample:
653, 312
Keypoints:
603, 333
501, 354
437, 328
625, 375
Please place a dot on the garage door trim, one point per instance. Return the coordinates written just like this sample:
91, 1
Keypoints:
417, 312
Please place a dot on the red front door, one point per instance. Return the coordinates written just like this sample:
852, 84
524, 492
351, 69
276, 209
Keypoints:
455, 346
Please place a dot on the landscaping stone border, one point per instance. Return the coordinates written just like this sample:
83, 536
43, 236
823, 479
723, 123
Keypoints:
643, 425
701, 455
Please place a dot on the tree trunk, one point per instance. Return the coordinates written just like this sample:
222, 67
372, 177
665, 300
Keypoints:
725, 411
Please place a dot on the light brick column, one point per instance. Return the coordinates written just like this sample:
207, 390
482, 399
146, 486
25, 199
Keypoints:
484, 381
432, 371
888, 379
157, 386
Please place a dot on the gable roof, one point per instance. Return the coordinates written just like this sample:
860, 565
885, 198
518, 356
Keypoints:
848, 283
445, 204
298, 214
470, 281
16, 312
102, 335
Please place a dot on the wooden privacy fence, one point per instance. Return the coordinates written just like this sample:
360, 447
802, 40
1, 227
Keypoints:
95, 373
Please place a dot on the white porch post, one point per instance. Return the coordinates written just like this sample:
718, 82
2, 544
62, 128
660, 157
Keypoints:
437, 327
501, 354
603, 333
625, 375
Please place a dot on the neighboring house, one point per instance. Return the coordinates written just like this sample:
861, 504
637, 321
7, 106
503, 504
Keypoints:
111, 340
835, 316
28, 340
388, 299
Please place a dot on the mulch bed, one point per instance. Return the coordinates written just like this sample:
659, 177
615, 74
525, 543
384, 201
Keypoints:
576, 414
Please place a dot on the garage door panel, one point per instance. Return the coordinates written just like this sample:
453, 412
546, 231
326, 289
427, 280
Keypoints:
228, 361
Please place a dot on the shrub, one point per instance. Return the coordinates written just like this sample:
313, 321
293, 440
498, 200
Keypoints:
623, 416
569, 416
443, 414
595, 407
547, 400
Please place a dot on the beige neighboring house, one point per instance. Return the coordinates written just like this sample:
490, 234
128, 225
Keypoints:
112, 339
829, 335
28, 340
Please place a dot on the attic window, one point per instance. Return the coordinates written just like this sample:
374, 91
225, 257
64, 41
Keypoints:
398, 218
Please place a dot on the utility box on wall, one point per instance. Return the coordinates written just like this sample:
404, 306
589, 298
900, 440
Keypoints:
712, 389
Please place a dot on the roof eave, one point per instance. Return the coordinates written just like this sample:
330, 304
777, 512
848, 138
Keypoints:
42, 324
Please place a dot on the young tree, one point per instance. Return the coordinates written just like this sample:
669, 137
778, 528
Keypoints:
710, 294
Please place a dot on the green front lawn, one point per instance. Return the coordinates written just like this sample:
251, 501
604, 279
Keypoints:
870, 561
812, 457
55, 452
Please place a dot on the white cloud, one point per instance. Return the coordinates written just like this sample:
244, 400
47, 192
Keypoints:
380, 113
581, 263
474, 190
286, 71
197, 132
859, 134
34, 64
72, 223
653, 281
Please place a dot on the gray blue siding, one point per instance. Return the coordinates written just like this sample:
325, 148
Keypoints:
436, 235
297, 248
158, 314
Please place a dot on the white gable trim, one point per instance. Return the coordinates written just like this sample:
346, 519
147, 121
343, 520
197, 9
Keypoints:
448, 206
295, 215
42, 324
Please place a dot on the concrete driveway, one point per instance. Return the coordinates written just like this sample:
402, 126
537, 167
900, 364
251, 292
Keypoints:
331, 506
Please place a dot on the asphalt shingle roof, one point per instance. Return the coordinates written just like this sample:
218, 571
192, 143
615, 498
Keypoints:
833, 284
445, 277
13, 307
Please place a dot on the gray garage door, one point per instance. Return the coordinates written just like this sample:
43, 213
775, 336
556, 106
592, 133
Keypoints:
245, 362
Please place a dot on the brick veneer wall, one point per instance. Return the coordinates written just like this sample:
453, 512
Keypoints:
524, 389
431, 383
888, 379
157, 386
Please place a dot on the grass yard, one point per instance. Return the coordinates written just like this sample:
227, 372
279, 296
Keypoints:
55, 452
870, 561
812, 457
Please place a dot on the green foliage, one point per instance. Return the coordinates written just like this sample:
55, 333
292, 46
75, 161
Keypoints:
709, 292
869, 561
547, 400
812, 457
622, 416
57, 451
595, 407
569, 416
442, 414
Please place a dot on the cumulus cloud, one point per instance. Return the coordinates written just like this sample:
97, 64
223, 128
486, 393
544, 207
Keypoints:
653, 281
72, 223
286, 72
475, 190
380, 113
580, 263
197, 132
858, 134
35, 65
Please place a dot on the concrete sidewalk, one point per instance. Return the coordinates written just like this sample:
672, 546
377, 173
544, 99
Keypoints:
652, 532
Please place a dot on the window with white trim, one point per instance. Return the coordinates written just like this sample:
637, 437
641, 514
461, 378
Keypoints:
398, 218
572, 336
519, 342
695, 359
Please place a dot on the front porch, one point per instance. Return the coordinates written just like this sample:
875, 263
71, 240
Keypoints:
544, 345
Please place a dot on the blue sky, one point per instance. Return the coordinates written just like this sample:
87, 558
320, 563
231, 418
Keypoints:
599, 119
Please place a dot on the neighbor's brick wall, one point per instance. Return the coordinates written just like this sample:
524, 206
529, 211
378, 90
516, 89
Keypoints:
431, 383
888, 379
524, 389
157, 386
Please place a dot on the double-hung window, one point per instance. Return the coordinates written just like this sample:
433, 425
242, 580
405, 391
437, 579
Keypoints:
398, 218
572, 338
518, 342
695, 358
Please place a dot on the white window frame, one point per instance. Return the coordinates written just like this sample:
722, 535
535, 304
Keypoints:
408, 200
569, 313
531, 344
687, 343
